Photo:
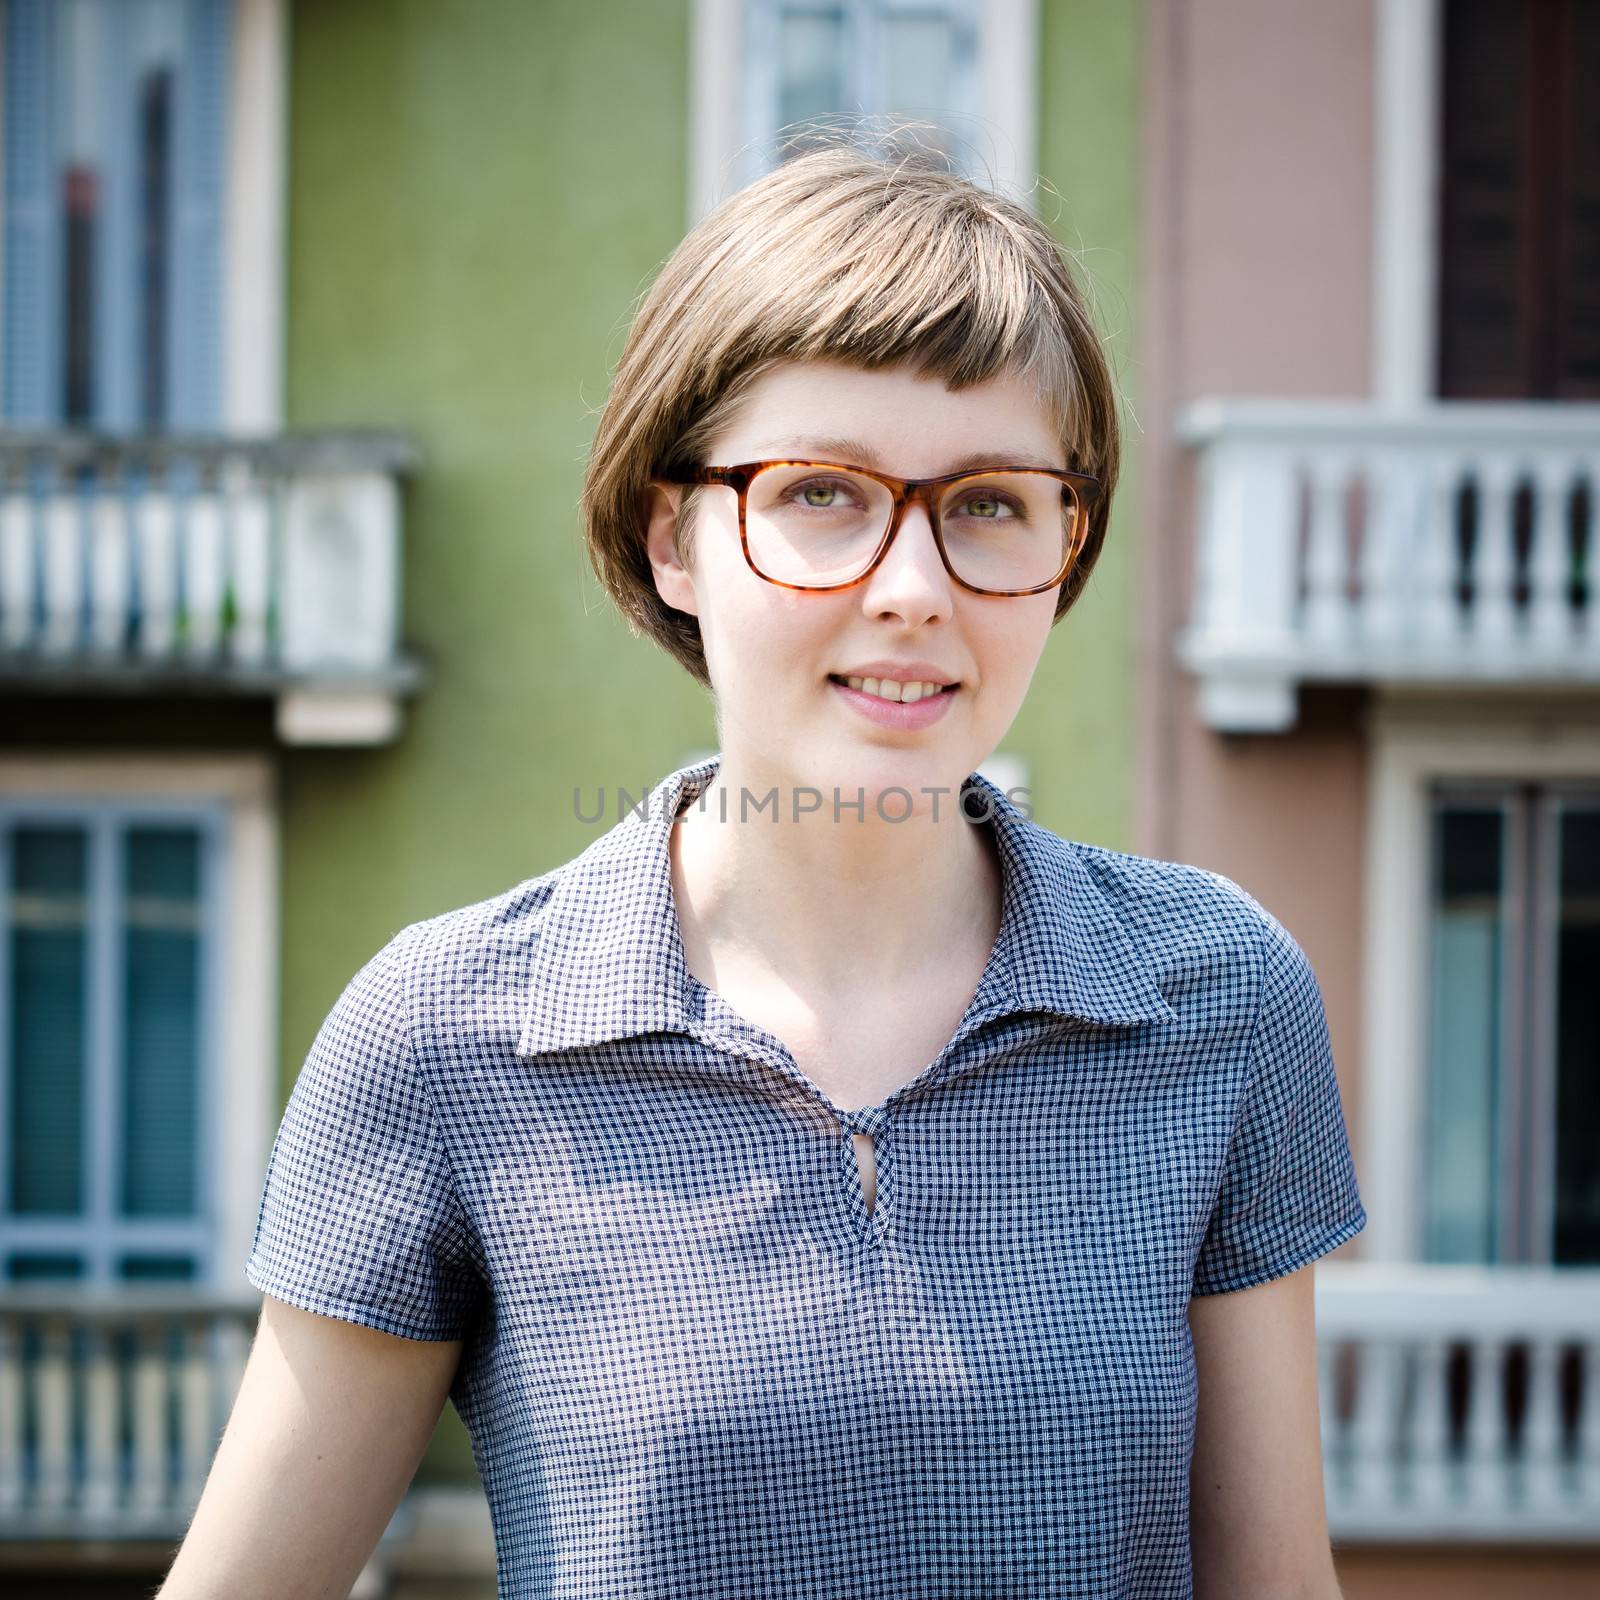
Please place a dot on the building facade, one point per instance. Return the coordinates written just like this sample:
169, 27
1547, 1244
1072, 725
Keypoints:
306, 312
1370, 692
305, 315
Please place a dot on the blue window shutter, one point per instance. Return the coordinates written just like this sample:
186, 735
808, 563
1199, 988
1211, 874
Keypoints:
30, 333
33, 311
116, 267
48, 1007
161, 1039
195, 317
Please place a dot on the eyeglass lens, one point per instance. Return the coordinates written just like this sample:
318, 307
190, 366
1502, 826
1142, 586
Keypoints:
818, 526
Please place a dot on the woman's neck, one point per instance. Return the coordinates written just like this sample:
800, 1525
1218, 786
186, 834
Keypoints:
832, 907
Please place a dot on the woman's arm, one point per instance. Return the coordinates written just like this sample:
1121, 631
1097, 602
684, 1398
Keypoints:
325, 1435
1257, 1520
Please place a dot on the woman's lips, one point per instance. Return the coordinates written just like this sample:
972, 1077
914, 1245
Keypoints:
893, 713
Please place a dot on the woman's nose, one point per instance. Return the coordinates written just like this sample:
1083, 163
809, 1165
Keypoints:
911, 570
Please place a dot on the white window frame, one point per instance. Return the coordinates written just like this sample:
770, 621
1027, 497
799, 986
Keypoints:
253, 204
240, 1097
1411, 745
1007, 135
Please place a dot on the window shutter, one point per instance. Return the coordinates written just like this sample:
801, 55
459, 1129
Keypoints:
194, 318
1485, 238
1576, 296
48, 973
1519, 231
30, 255
161, 1034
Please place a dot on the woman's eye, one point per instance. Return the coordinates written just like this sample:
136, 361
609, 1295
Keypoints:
822, 494
986, 506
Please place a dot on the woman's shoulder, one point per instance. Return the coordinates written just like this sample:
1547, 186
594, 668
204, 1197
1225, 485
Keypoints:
1178, 890
460, 950
1194, 924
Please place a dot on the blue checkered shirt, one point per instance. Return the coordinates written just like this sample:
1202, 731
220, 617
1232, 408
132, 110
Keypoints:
695, 1364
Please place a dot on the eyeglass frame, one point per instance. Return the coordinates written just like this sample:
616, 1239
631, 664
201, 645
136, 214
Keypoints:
1085, 486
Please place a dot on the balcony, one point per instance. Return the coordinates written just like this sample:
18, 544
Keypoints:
1460, 1404
111, 1407
1450, 546
166, 564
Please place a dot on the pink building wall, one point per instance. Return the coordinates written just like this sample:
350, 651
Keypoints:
1259, 207
1258, 218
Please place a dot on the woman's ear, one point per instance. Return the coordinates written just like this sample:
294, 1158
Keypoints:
674, 582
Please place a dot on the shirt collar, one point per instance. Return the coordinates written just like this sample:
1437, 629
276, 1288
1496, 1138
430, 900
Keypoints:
608, 960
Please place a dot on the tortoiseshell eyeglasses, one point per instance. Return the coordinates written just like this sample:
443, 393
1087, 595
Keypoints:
822, 525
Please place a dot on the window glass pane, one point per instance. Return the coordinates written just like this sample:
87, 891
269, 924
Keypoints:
48, 1043
143, 1269
813, 73
1468, 926
919, 59
1577, 1048
878, 61
37, 1266
161, 1077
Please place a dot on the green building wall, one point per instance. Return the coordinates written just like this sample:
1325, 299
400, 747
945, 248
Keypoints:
478, 193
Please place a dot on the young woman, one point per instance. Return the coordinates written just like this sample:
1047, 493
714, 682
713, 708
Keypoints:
830, 1182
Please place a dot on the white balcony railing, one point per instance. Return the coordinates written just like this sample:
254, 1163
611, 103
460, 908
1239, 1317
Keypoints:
209, 564
1458, 543
112, 1405
111, 1408
1460, 1404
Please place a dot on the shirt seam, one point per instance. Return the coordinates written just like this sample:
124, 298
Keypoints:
1336, 1233
1255, 1028
407, 1020
1249, 1072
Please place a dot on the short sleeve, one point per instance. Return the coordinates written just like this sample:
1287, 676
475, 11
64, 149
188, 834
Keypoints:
1288, 1190
359, 1218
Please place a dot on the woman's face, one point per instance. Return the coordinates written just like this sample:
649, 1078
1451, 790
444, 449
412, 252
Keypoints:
773, 654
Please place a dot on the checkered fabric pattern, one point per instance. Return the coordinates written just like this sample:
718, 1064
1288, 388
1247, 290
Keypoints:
695, 1365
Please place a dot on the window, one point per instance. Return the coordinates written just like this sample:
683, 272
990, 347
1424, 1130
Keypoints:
1519, 224
808, 59
114, 156
1512, 1169
966, 67
109, 961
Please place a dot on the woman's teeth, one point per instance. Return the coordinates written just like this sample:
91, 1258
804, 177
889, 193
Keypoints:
889, 689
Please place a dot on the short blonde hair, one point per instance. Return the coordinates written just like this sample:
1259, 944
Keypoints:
870, 257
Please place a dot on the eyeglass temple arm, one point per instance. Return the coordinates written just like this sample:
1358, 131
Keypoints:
732, 476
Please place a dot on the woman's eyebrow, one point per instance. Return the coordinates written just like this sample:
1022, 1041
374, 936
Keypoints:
835, 447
